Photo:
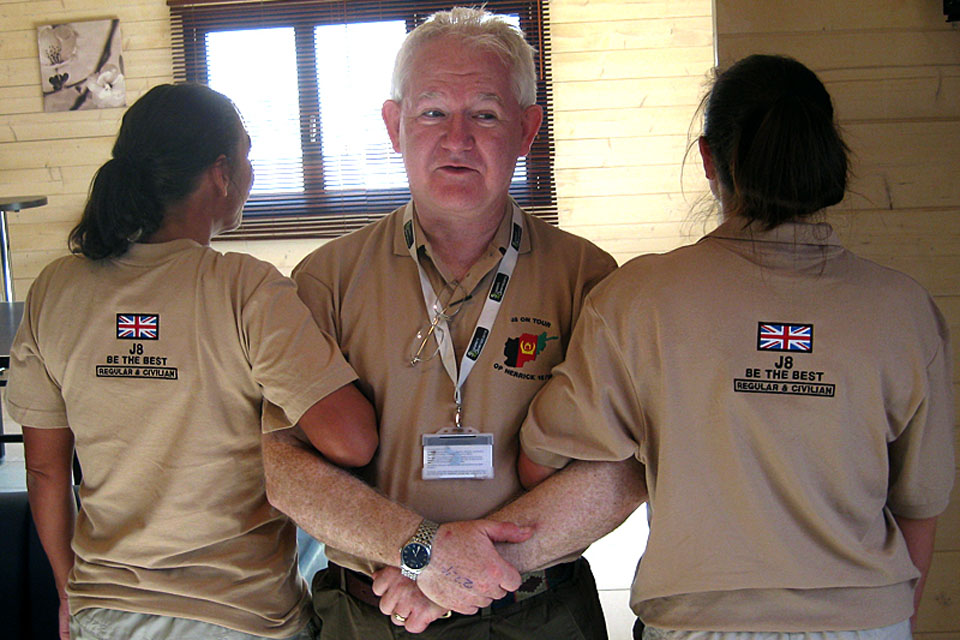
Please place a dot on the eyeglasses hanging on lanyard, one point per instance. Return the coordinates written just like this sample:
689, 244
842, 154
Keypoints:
438, 325
427, 343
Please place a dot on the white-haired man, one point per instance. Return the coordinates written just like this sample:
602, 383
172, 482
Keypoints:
452, 310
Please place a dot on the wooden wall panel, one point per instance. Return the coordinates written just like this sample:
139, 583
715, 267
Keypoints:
83, 124
584, 95
940, 608
829, 50
19, 99
564, 11
905, 93
624, 35
783, 16
56, 154
587, 181
607, 65
620, 152
611, 209
151, 32
948, 525
888, 231
627, 80
633, 121
66, 152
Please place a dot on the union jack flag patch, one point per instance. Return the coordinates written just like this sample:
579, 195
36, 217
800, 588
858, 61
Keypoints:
784, 337
138, 326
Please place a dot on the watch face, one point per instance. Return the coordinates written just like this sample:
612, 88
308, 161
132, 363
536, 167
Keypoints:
415, 556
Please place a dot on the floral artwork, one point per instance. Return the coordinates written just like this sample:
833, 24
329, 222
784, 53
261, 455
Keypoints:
81, 66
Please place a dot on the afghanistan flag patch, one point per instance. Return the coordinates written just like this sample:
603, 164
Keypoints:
519, 351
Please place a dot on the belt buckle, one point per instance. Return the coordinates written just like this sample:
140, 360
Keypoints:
534, 583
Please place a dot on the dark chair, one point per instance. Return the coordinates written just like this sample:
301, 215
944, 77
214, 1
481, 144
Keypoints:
28, 595
29, 603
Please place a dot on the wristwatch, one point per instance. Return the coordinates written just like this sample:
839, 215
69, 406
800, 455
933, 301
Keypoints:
415, 554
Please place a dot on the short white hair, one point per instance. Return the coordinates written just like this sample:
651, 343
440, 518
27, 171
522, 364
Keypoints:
478, 28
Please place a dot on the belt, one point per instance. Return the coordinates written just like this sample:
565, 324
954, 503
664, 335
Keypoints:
360, 586
537, 582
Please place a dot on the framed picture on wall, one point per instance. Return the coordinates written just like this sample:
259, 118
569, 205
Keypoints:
81, 65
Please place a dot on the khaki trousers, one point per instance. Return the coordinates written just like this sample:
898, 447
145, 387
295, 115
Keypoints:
899, 631
111, 624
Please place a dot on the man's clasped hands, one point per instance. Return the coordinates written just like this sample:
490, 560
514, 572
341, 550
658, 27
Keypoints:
465, 573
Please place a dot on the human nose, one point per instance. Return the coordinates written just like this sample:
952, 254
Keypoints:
459, 133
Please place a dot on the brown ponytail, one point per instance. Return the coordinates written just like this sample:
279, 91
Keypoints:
769, 123
168, 138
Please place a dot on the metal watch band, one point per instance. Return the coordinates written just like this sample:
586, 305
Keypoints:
423, 536
425, 532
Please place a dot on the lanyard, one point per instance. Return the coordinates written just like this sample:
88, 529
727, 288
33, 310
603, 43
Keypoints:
488, 315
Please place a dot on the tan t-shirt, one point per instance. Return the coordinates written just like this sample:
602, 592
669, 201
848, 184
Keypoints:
364, 290
786, 398
158, 361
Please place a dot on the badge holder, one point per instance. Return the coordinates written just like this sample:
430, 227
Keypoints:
451, 454
457, 452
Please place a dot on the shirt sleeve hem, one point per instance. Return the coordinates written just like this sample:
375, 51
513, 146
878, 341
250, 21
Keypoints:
35, 418
544, 458
920, 512
309, 396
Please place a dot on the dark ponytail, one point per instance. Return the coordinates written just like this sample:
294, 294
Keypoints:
769, 123
168, 138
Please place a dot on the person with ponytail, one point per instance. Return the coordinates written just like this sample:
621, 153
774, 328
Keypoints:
163, 362
787, 403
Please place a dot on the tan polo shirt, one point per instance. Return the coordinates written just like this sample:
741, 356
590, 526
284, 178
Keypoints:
787, 398
159, 361
364, 290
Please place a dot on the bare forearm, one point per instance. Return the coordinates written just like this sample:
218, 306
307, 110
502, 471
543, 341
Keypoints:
335, 507
54, 512
571, 509
49, 454
332, 505
919, 536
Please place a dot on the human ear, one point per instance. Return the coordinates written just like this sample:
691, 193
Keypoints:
530, 122
220, 174
391, 117
707, 156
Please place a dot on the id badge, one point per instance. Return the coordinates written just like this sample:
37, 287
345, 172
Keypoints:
457, 454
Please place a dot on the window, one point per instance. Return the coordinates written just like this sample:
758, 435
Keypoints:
309, 78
